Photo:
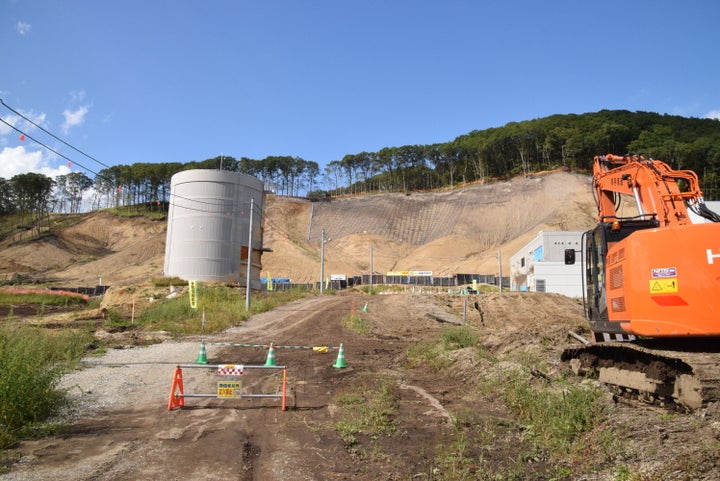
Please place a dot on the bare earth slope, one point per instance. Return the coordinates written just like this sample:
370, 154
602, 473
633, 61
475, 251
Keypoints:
445, 232
460, 230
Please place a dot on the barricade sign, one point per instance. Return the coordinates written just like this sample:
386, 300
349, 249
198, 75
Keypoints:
229, 389
226, 389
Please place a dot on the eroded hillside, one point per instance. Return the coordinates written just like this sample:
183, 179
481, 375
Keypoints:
447, 232
458, 230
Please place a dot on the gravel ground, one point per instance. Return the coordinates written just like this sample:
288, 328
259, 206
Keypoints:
126, 377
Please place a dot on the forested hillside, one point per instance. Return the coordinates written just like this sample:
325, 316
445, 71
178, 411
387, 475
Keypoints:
569, 141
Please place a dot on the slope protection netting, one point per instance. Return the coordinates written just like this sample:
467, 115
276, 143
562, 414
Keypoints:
415, 219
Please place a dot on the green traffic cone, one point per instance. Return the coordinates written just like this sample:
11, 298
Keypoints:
270, 360
202, 356
340, 362
365, 308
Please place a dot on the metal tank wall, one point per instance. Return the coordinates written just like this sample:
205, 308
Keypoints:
208, 224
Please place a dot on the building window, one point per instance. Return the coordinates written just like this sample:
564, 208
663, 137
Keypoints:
522, 262
540, 285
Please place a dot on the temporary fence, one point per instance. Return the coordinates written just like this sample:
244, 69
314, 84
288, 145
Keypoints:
382, 279
226, 389
232, 389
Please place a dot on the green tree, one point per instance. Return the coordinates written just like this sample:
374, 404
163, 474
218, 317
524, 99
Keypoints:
32, 194
70, 188
7, 206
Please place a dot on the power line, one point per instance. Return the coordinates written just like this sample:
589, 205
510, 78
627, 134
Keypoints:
232, 210
47, 147
52, 135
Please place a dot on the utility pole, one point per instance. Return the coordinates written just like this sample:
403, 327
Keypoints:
322, 261
499, 256
249, 257
372, 270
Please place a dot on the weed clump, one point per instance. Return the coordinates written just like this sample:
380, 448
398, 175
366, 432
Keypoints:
32, 361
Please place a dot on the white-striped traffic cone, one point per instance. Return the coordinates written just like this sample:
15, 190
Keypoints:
270, 360
340, 362
202, 355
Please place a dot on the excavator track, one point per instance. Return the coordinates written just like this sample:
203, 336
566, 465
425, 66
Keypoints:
686, 376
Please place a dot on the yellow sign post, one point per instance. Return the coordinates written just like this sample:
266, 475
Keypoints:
192, 292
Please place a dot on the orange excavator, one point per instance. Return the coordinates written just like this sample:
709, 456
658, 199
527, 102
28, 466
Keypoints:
651, 277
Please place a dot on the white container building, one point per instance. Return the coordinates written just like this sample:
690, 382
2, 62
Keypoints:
540, 265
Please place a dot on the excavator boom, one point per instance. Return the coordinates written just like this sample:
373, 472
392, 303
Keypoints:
654, 186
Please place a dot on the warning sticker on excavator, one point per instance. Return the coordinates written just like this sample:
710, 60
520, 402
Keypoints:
663, 286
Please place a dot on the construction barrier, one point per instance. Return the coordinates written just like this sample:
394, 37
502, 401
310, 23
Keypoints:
265, 346
226, 389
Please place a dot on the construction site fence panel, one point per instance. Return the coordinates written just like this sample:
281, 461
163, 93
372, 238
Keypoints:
228, 387
379, 279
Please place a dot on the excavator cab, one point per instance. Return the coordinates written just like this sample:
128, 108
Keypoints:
596, 244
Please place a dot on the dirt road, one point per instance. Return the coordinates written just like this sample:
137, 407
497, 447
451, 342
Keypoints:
134, 437
123, 430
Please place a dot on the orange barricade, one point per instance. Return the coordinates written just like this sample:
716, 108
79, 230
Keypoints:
225, 389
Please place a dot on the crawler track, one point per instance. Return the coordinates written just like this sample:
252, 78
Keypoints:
659, 374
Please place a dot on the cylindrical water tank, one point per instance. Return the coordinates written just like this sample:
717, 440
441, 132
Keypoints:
209, 226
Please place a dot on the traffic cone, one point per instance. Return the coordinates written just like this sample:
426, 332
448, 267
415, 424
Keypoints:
270, 360
202, 356
340, 362
176, 399
365, 308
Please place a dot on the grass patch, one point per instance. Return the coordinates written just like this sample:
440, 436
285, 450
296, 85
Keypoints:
168, 281
554, 417
356, 323
540, 429
223, 307
46, 298
376, 289
429, 354
366, 412
32, 361
434, 354
149, 211
454, 338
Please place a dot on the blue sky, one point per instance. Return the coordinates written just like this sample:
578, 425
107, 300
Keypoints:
175, 81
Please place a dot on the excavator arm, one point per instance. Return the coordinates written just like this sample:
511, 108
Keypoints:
657, 190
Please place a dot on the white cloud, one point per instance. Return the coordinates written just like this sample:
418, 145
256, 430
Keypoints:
73, 118
23, 28
19, 160
5, 129
21, 124
77, 95
713, 114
